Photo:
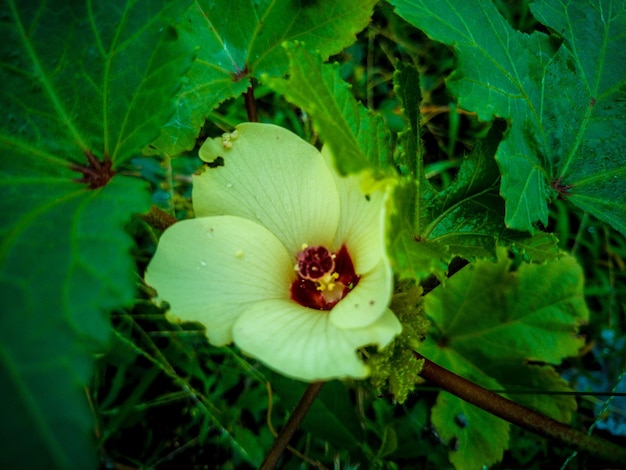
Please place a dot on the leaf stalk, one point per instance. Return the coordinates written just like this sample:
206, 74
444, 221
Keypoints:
251, 104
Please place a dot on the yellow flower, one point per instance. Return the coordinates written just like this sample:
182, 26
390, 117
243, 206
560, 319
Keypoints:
285, 257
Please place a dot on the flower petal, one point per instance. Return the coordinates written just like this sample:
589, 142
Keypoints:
211, 269
367, 301
362, 219
273, 177
362, 229
304, 344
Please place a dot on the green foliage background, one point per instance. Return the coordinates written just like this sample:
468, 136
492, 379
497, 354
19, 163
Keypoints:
503, 124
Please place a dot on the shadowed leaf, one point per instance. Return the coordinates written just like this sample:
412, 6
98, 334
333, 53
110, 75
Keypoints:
85, 86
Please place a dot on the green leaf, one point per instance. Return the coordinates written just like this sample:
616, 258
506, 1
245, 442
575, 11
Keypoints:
410, 151
477, 439
428, 228
489, 322
465, 219
564, 102
64, 263
250, 447
538, 248
516, 313
83, 85
106, 96
390, 442
478, 176
493, 67
357, 137
240, 40
407, 89
467, 216
589, 132
411, 257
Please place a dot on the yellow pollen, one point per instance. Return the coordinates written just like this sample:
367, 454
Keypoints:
327, 282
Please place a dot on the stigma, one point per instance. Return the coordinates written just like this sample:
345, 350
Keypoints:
315, 262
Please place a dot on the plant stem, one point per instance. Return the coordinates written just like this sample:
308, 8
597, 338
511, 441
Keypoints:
519, 415
251, 104
299, 412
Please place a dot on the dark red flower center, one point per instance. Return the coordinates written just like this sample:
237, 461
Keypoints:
324, 278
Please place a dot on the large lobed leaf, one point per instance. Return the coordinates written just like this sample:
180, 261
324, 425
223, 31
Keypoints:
565, 102
78, 79
502, 329
240, 40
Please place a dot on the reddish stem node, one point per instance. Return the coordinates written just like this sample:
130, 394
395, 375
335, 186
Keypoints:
96, 173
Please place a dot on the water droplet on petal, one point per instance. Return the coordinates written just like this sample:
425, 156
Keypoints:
239, 253
203, 263
229, 185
